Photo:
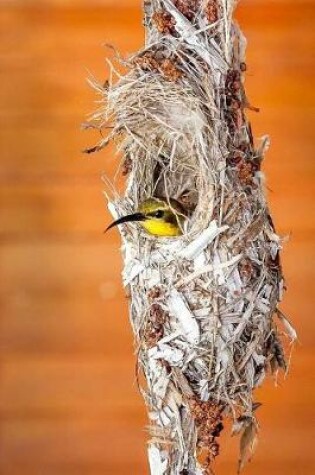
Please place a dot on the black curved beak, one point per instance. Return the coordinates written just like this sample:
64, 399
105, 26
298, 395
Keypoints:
126, 219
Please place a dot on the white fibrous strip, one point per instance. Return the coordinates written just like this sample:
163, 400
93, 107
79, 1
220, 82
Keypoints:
158, 465
202, 241
131, 271
185, 318
288, 326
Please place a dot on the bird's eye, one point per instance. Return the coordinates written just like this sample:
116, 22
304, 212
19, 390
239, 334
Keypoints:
159, 213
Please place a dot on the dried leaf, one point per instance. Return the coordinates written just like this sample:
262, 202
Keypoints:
247, 444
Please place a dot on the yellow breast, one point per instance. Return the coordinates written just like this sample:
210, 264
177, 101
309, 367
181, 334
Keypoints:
161, 228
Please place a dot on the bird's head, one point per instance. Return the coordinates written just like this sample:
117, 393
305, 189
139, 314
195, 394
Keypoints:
157, 216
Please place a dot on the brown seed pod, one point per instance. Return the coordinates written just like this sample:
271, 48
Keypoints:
170, 71
167, 67
147, 62
245, 172
157, 314
164, 22
208, 418
155, 293
126, 166
212, 11
188, 8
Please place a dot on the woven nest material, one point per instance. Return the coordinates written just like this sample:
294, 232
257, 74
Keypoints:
204, 305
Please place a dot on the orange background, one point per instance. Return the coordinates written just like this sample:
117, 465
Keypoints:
68, 400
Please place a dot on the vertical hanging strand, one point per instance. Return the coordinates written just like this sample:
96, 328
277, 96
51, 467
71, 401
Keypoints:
203, 306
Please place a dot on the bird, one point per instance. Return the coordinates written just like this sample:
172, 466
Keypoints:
158, 216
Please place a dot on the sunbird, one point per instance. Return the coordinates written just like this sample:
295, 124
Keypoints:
158, 217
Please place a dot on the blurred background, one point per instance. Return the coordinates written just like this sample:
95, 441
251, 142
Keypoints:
68, 399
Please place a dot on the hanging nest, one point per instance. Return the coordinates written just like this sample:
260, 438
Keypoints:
203, 305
